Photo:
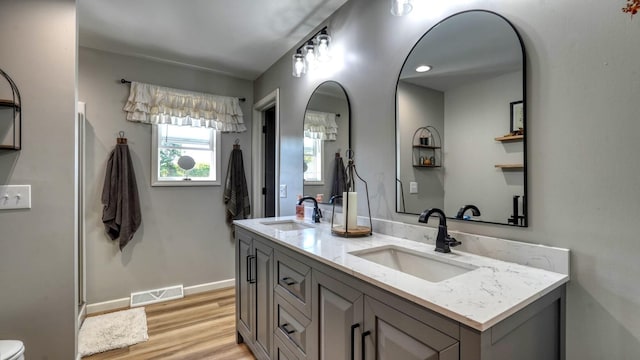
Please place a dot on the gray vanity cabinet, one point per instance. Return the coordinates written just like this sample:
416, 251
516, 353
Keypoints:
254, 284
337, 314
290, 306
390, 335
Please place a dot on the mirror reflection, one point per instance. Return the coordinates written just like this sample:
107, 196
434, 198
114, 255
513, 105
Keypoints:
326, 138
460, 122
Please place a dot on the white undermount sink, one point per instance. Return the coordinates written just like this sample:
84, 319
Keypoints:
287, 225
416, 263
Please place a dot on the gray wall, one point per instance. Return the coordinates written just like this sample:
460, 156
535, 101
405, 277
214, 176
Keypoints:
584, 175
37, 292
417, 107
183, 238
476, 113
330, 104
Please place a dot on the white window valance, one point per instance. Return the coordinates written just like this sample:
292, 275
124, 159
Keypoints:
320, 125
152, 104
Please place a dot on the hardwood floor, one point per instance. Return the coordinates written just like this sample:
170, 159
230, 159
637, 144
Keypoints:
197, 327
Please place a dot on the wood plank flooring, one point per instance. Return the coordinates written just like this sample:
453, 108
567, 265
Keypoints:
200, 326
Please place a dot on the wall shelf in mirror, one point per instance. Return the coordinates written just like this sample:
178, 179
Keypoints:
427, 145
510, 166
10, 117
510, 138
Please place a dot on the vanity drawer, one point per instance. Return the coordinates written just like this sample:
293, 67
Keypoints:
281, 351
291, 327
293, 282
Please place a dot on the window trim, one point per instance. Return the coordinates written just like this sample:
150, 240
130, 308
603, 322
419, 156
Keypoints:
155, 181
322, 175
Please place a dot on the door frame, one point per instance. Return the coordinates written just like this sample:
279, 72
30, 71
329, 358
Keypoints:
257, 155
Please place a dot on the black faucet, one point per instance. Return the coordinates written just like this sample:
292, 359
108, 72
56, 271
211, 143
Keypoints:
443, 240
317, 214
474, 210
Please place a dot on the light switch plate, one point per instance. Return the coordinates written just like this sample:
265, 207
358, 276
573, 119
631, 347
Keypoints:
15, 197
283, 190
413, 187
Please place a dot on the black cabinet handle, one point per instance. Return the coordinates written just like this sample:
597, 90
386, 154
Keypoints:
252, 269
284, 328
289, 281
364, 335
248, 260
353, 335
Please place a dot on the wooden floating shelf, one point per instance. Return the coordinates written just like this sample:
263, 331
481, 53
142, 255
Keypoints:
427, 166
426, 147
9, 103
510, 138
510, 166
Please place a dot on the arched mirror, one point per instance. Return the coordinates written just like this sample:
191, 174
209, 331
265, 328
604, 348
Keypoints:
326, 138
460, 122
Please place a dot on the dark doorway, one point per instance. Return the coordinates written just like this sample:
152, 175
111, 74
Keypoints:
269, 151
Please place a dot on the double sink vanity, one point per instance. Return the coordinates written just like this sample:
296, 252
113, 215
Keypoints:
303, 293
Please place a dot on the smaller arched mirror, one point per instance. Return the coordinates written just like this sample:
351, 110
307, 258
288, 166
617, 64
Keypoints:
460, 122
326, 137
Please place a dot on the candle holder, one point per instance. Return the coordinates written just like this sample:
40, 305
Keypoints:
349, 226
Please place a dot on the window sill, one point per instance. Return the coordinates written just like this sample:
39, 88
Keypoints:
185, 183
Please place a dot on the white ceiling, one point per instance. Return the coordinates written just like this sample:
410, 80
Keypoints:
241, 38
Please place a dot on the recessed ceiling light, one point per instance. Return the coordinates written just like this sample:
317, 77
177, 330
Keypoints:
423, 68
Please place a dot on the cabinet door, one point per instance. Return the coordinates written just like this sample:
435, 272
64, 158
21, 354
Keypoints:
244, 288
391, 335
337, 311
263, 262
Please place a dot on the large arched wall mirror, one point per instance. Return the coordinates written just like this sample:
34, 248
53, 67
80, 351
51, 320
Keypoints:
461, 126
327, 135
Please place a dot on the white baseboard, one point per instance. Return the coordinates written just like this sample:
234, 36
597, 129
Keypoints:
188, 290
217, 285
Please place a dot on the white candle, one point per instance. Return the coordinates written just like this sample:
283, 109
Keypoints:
350, 215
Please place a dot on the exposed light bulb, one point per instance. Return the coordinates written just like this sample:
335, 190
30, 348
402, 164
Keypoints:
299, 67
401, 7
323, 51
423, 68
309, 55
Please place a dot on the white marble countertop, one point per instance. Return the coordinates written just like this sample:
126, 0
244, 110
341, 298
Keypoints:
479, 298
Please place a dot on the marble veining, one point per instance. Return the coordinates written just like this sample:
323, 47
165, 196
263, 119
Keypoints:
479, 298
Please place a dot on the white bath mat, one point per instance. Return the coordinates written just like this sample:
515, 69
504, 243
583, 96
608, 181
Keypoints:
112, 331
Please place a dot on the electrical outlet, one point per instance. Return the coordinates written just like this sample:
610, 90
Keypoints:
413, 187
15, 197
283, 190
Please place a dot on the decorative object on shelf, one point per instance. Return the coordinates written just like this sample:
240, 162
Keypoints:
314, 51
401, 7
632, 7
517, 117
13, 127
427, 147
349, 226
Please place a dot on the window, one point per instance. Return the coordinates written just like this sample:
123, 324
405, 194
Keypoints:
313, 161
185, 156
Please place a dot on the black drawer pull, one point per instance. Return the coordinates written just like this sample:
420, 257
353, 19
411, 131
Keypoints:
353, 335
252, 269
284, 328
288, 281
364, 335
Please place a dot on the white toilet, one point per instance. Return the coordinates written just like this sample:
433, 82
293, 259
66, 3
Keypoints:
11, 350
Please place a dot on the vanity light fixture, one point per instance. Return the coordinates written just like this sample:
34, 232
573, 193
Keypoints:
401, 7
315, 50
299, 67
423, 68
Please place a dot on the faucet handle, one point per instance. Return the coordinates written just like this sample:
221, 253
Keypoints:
451, 241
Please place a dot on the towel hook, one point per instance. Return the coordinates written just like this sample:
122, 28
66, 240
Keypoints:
236, 144
121, 139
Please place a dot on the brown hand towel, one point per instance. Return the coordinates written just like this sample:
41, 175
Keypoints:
121, 214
